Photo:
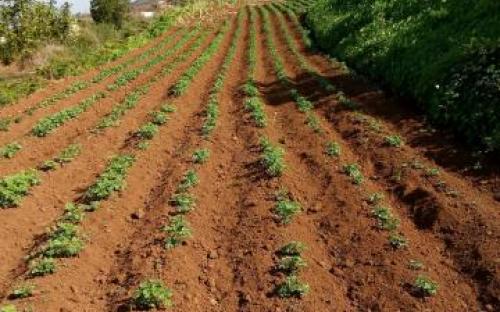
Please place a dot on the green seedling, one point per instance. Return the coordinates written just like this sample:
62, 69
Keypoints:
152, 294
22, 291
386, 220
353, 171
10, 150
42, 266
189, 180
333, 149
393, 141
178, 231
201, 156
398, 241
14, 187
159, 118
272, 158
292, 249
375, 198
415, 265
292, 287
425, 286
291, 264
147, 131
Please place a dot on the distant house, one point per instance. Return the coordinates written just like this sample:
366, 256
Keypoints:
147, 8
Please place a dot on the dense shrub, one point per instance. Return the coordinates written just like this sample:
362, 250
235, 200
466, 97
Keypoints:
444, 54
109, 11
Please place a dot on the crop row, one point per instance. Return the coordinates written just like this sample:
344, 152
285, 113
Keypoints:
81, 85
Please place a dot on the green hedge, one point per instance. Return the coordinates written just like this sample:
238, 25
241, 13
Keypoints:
443, 53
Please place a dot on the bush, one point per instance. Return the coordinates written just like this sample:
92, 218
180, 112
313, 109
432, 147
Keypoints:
443, 54
109, 11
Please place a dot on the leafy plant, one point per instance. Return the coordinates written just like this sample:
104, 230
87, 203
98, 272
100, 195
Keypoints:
313, 122
398, 241
22, 291
48, 165
375, 198
425, 286
9, 150
42, 266
255, 106
200, 156
159, 118
415, 265
286, 208
8, 308
68, 154
272, 158
167, 108
152, 294
111, 180
292, 287
189, 180
291, 264
393, 140
184, 202
13, 188
385, 218
147, 131
292, 249
432, 172
353, 171
178, 231
333, 149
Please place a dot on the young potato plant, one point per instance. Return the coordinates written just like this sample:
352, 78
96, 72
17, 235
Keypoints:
291, 264
42, 267
201, 156
272, 158
183, 202
15, 187
425, 287
189, 180
256, 108
50, 123
293, 248
22, 291
292, 287
386, 219
398, 241
286, 208
353, 171
393, 141
10, 150
147, 131
8, 308
313, 122
333, 149
185, 80
111, 180
152, 294
178, 231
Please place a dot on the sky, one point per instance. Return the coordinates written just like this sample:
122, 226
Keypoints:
77, 6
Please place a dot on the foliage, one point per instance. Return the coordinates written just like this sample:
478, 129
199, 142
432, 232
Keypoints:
425, 286
291, 264
333, 149
292, 287
393, 140
42, 266
9, 150
111, 180
184, 202
272, 158
8, 308
398, 241
14, 187
109, 11
200, 156
286, 208
152, 294
22, 291
444, 54
353, 171
386, 219
147, 131
177, 232
292, 249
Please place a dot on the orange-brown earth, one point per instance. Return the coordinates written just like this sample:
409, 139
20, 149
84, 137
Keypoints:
450, 221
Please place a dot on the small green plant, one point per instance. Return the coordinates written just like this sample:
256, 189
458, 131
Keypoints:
415, 265
375, 198
8, 308
385, 218
152, 294
393, 140
143, 145
353, 171
313, 122
178, 231
398, 241
68, 154
42, 266
256, 108
286, 208
14, 187
291, 264
272, 158
184, 202
425, 286
201, 156
73, 213
250, 89
159, 118
48, 165
22, 291
63, 243
346, 102
432, 172
333, 149
293, 248
167, 108
147, 131
292, 287
10, 150
189, 180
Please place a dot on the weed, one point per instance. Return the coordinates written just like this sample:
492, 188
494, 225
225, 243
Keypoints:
183, 202
152, 294
333, 149
42, 266
272, 158
292, 249
178, 231
292, 287
13, 188
353, 171
393, 141
9, 150
398, 241
291, 264
200, 156
385, 218
425, 286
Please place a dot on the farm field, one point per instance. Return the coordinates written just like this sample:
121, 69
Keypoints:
230, 167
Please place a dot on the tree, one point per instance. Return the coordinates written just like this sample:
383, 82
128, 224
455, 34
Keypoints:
109, 11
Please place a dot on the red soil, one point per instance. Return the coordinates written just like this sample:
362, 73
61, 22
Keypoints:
450, 222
